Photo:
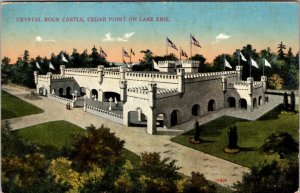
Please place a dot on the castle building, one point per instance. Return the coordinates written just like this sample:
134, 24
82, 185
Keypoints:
154, 99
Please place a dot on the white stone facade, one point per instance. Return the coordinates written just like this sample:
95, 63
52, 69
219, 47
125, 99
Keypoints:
173, 96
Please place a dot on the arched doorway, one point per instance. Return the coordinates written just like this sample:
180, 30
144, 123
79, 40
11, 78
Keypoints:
133, 119
112, 95
231, 102
254, 103
211, 105
243, 103
259, 100
174, 117
60, 92
196, 110
160, 120
68, 92
94, 94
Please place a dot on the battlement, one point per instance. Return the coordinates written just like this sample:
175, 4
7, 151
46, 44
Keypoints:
81, 71
58, 77
243, 85
209, 74
166, 66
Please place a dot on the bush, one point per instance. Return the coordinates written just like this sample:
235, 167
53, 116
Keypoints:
280, 142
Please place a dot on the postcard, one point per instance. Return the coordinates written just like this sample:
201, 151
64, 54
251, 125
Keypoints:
150, 97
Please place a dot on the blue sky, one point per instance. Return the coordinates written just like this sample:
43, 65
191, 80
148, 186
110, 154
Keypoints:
219, 27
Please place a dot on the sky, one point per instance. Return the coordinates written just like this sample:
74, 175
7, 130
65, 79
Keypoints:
219, 27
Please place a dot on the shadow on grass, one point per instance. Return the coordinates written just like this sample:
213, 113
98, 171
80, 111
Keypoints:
272, 114
216, 127
247, 149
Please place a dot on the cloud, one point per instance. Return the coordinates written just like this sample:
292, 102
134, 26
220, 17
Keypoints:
221, 37
124, 38
40, 39
108, 37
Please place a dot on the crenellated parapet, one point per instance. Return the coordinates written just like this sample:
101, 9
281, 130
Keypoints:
166, 66
190, 66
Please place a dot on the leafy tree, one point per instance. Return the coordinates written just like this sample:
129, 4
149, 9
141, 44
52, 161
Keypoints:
98, 147
146, 64
6, 70
219, 62
269, 177
281, 142
281, 49
203, 67
275, 82
198, 184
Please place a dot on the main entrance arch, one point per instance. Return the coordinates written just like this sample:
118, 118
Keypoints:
243, 103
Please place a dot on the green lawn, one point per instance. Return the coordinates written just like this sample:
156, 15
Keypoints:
12, 107
59, 134
251, 135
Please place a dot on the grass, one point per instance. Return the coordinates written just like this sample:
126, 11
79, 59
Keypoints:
251, 135
12, 107
58, 134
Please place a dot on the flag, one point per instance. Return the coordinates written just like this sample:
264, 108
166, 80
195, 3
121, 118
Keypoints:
37, 65
227, 63
131, 51
267, 63
102, 53
195, 42
125, 53
63, 58
51, 66
183, 54
171, 44
253, 63
155, 65
243, 57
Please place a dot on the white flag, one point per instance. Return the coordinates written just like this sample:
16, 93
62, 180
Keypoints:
51, 66
37, 65
243, 57
253, 63
63, 58
155, 65
267, 63
227, 64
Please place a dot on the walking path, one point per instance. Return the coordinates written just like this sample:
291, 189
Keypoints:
215, 169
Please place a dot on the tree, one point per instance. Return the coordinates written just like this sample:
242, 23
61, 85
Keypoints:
285, 102
281, 49
232, 137
280, 142
6, 70
98, 147
270, 177
293, 101
203, 67
197, 131
146, 64
219, 62
198, 184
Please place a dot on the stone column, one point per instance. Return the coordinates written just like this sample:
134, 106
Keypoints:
100, 70
100, 95
151, 124
180, 77
239, 72
62, 70
152, 88
250, 92
123, 87
84, 103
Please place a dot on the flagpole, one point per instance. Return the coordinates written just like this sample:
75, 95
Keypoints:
250, 65
100, 51
123, 54
180, 53
264, 67
224, 61
130, 56
191, 44
239, 57
166, 46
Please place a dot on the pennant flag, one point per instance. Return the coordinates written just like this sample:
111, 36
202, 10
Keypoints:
171, 44
183, 53
155, 65
102, 53
37, 65
131, 51
51, 66
195, 42
125, 53
253, 63
243, 57
267, 63
63, 58
227, 63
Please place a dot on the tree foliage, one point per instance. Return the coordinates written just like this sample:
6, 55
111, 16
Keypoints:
270, 177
